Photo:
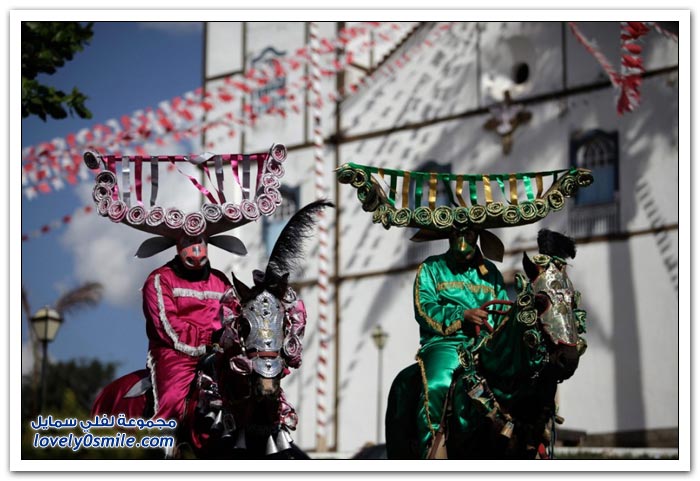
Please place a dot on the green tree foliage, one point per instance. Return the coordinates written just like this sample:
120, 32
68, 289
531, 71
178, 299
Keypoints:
46, 46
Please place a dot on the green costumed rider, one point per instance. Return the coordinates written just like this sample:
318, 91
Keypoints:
449, 291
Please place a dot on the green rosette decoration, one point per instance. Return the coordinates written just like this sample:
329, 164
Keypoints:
527, 316
367, 194
377, 214
525, 300
532, 338
495, 209
542, 260
542, 207
511, 215
477, 214
461, 216
568, 186
345, 174
527, 209
584, 178
555, 200
422, 216
442, 217
402, 217
387, 218
360, 178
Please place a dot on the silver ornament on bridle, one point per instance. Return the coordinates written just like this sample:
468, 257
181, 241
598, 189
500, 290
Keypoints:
265, 315
558, 321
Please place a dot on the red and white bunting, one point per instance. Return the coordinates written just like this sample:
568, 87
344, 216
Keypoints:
629, 80
177, 119
57, 223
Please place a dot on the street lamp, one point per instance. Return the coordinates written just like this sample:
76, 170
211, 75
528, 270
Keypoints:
379, 337
45, 323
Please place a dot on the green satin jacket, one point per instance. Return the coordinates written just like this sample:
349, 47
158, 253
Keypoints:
442, 292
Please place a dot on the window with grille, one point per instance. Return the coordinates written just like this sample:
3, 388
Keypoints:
596, 207
271, 95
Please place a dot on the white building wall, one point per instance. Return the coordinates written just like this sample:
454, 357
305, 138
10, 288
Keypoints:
630, 372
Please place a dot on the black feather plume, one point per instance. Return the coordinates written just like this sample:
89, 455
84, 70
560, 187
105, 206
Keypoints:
289, 248
556, 244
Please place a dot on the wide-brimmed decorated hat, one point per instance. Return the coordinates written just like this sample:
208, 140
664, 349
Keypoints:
256, 176
397, 198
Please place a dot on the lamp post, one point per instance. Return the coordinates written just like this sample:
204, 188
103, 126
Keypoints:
379, 337
45, 323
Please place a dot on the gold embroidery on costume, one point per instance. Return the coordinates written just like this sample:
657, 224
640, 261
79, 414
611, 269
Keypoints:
425, 394
451, 329
476, 288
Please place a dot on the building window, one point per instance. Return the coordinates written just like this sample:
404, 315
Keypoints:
596, 207
270, 96
273, 224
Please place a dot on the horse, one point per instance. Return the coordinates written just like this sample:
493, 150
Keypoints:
235, 408
511, 378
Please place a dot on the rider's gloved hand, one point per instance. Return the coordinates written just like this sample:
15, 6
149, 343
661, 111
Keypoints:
473, 320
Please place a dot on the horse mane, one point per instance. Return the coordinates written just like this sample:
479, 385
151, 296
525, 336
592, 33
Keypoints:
555, 244
288, 250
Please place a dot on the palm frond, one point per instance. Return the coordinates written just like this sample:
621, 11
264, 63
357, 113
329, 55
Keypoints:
26, 307
89, 294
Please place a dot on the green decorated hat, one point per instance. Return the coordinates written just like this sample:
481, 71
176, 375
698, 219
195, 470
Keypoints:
402, 198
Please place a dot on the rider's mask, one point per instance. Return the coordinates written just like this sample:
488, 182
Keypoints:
193, 252
463, 246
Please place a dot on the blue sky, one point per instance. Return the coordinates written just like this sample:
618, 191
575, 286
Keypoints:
127, 66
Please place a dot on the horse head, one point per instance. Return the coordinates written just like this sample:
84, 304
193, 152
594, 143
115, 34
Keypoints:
267, 335
548, 304
271, 323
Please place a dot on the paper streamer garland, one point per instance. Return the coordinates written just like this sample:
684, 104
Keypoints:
629, 79
383, 201
46, 165
58, 223
181, 116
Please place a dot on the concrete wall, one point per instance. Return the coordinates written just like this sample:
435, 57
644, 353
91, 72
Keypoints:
629, 286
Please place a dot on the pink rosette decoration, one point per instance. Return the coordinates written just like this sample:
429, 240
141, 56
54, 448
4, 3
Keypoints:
279, 152
155, 217
100, 192
103, 206
117, 211
266, 205
250, 210
106, 178
174, 218
274, 195
288, 417
212, 212
136, 215
232, 212
297, 318
292, 351
195, 224
269, 180
275, 168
